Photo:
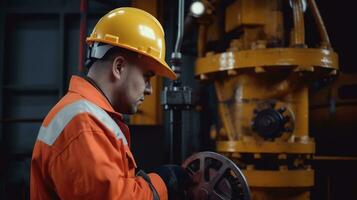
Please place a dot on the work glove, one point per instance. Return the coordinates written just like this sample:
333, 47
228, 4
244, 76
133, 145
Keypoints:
175, 179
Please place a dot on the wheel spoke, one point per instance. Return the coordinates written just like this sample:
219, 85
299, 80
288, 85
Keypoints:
218, 175
202, 169
216, 196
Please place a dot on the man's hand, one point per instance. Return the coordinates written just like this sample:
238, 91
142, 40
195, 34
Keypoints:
175, 179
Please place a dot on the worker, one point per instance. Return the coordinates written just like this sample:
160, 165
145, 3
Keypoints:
83, 146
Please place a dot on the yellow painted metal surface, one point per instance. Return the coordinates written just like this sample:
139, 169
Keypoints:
246, 12
273, 57
241, 94
302, 112
263, 15
256, 73
265, 147
288, 178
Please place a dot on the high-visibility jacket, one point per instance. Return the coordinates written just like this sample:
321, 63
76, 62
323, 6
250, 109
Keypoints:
82, 152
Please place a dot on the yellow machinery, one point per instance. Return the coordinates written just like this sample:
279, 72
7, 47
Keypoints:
262, 85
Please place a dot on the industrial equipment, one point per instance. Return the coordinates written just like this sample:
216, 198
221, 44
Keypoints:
262, 79
177, 97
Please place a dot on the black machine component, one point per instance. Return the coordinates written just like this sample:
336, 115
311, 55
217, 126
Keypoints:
175, 99
215, 177
269, 122
176, 96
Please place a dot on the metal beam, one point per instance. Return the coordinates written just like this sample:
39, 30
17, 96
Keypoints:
61, 57
2, 58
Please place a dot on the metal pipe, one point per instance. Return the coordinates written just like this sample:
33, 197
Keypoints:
224, 112
325, 40
202, 39
280, 90
299, 29
82, 34
176, 137
180, 25
176, 111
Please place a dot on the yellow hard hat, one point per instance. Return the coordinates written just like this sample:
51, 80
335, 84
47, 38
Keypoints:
135, 30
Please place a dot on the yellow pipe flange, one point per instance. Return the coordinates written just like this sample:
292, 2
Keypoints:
300, 58
265, 147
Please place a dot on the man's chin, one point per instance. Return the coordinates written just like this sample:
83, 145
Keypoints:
130, 111
133, 110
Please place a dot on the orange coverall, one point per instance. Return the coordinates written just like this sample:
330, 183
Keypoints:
82, 152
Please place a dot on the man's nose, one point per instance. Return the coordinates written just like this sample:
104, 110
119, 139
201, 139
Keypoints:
148, 89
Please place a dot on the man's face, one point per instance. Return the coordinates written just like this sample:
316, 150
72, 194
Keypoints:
135, 85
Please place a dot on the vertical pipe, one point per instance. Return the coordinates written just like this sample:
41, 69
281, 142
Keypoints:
176, 136
299, 29
171, 137
325, 40
302, 112
176, 110
224, 112
82, 34
180, 25
202, 39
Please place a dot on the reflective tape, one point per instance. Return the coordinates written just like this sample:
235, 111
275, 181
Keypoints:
50, 133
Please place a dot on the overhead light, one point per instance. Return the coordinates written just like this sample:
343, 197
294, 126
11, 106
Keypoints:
197, 8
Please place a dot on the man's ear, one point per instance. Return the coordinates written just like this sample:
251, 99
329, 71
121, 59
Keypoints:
118, 66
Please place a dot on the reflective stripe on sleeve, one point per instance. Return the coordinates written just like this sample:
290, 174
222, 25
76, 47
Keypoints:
50, 133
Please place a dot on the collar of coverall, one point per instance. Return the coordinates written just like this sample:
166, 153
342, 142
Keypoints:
84, 88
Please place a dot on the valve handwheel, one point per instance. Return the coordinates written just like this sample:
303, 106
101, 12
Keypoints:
215, 177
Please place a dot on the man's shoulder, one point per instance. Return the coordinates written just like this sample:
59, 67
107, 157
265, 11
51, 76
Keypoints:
69, 119
59, 106
74, 106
